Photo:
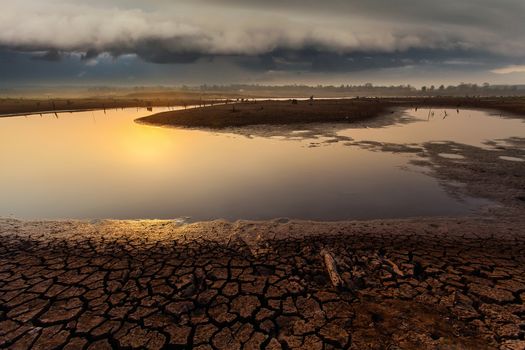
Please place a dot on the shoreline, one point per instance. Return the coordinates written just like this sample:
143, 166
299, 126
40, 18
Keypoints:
356, 109
12, 107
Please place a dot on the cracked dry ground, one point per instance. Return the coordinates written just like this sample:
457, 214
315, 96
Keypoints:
78, 285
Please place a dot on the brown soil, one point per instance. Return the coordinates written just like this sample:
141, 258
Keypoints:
343, 110
220, 285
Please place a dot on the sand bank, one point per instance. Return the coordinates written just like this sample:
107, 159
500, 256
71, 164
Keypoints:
319, 111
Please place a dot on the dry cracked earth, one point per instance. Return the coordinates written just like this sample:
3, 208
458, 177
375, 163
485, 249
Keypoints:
407, 284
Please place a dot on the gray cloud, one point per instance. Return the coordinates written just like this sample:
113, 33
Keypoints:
244, 39
184, 29
51, 56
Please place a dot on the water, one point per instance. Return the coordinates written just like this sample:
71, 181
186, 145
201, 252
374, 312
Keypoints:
104, 165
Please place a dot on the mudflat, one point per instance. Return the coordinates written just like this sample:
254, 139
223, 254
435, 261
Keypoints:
319, 111
26, 106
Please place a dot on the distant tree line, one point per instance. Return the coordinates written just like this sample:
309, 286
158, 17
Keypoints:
463, 89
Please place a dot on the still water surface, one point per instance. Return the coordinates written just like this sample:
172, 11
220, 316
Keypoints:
104, 165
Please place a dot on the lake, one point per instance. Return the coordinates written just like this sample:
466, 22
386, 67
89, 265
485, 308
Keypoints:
102, 164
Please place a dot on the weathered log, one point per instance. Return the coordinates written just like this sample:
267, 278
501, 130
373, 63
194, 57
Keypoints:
331, 269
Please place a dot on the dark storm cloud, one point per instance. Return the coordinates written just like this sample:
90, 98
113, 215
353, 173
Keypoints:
159, 51
313, 60
90, 54
50, 56
272, 35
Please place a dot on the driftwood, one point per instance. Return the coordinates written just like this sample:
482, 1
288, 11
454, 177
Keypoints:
331, 268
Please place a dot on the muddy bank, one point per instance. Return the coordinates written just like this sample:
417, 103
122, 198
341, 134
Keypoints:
495, 172
318, 111
17, 106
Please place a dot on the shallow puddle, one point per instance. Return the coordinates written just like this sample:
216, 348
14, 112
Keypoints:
451, 156
104, 165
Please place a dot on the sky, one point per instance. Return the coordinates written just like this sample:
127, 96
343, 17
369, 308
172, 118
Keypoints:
192, 42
